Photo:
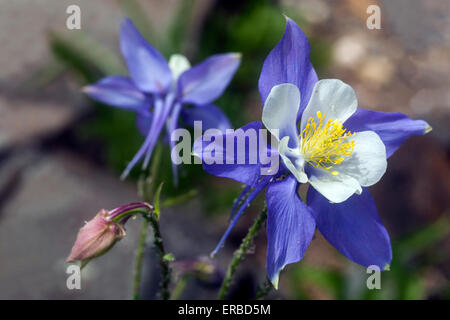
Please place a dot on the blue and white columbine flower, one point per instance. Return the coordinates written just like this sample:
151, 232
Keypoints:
340, 150
334, 160
158, 90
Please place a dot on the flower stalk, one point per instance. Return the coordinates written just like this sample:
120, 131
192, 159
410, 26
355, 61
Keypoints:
179, 288
239, 255
146, 187
163, 261
263, 289
139, 259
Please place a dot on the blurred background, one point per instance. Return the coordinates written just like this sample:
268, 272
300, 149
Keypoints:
61, 154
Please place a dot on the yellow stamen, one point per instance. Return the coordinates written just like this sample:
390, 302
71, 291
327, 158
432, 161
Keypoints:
327, 144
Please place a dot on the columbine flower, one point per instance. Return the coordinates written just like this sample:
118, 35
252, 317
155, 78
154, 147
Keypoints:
334, 160
103, 231
157, 91
339, 150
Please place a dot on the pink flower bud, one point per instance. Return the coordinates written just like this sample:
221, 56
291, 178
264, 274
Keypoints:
96, 238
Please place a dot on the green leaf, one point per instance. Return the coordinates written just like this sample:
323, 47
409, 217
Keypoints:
156, 201
169, 257
303, 276
179, 29
155, 168
82, 53
419, 241
179, 199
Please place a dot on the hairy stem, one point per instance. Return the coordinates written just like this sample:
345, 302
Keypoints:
146, 185
179, 288
263, 289
139, 259
241, 252
163, 262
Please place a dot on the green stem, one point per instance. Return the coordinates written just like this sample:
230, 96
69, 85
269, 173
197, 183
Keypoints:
139, 259
263, 289
145, 188
179, 288
241, 252
163, 262
131, 212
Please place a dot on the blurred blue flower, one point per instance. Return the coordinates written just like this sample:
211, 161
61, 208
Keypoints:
158, 90
340, 151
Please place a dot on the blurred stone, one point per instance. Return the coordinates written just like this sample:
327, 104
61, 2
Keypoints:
418, 24
11, 173
376, 71
432, 100
349, 50
314, 12
432, 68
23, 121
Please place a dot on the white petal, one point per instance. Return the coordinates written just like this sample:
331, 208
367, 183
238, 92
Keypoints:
274, 280
333, 98
368, 161
292, 160
280, 112
178, 64
335, 188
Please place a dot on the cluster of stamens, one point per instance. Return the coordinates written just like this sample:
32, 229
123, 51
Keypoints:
325, 145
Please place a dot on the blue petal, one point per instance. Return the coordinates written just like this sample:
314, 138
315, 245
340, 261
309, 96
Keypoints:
393, 128
353, 227
118, 91
144, 122
158, 123
206, 81
161, 112
244, 195
147, 67
171, 125
248, 172
289, 62
290, 226
211, 117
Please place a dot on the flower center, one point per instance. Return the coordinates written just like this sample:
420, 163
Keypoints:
325, 145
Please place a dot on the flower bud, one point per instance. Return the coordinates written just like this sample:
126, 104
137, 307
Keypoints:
96, 238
